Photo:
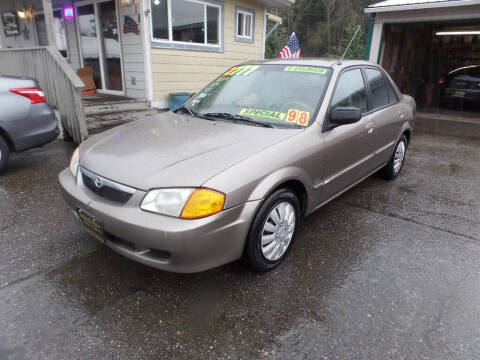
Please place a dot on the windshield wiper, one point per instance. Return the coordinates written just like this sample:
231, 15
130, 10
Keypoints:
185, 109
236, 117
192, 113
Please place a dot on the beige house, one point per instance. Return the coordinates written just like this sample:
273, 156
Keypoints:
140, 49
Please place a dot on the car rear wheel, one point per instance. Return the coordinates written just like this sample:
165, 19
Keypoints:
394, 166
4, 153
273, 230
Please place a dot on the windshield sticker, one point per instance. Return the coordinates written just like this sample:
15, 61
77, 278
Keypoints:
214, 84
264, 113
306, 69
299, 117
243, 70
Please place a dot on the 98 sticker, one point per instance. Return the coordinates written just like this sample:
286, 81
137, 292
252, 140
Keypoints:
298, 117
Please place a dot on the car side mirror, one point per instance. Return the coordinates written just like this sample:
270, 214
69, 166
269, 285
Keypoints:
344, 116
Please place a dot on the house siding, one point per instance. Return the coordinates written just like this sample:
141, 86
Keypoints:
132, 53
190, 70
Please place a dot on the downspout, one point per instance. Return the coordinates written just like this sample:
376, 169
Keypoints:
272, 30
371, 23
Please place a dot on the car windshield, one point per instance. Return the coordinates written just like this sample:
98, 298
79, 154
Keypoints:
270, 95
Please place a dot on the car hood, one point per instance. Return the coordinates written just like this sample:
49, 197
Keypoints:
174, 150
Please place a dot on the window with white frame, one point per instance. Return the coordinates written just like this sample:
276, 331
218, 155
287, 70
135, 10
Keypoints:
244, 24
186, 22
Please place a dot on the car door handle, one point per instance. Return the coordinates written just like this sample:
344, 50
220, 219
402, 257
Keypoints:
369, 126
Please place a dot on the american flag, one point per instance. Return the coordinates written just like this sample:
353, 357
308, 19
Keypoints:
129, 25
292, 49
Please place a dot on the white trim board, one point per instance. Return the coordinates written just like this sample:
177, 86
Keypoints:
377, 8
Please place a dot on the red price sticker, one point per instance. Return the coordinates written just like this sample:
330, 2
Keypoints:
298, 117
303, 118
292, 116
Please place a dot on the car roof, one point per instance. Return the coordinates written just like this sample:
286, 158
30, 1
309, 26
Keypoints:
15, 77
325, 62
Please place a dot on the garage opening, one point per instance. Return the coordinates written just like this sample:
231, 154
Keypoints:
439, 64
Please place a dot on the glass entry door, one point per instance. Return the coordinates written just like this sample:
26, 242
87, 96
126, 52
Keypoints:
100, 43
110, 43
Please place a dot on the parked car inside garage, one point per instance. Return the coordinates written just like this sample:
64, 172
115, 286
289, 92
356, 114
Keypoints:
463, 87
27, 121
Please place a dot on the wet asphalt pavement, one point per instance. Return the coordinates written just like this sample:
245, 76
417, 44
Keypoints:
390, 270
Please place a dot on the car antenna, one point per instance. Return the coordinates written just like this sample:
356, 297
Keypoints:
349, 44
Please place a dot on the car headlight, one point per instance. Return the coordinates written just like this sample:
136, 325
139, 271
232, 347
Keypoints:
74, 162
185, 203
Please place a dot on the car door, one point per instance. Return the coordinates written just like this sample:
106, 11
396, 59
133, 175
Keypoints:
349, 148
386, 112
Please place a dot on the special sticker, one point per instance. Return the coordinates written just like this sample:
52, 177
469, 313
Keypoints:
263, 113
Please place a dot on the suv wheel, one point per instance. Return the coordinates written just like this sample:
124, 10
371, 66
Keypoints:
273, 230
4, 153
392, 169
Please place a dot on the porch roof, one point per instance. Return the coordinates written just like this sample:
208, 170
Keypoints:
398, 5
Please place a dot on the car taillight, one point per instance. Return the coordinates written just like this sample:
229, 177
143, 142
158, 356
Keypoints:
36, 95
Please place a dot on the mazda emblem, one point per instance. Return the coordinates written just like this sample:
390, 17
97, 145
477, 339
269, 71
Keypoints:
98, 182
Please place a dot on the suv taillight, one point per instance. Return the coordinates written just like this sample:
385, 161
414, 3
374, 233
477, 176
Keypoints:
36, 95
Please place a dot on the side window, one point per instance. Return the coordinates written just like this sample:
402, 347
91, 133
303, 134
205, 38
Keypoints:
378, 88
392, 96
350, 91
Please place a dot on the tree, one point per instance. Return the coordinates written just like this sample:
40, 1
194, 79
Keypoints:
324, 28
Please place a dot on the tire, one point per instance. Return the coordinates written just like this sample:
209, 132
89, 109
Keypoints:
4, 154
395, 165
279, 237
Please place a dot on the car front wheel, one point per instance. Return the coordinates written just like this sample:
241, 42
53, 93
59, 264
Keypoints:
273, 230
392, 169
4, 153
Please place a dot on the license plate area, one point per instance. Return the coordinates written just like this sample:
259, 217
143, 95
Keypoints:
459, 94
92, 225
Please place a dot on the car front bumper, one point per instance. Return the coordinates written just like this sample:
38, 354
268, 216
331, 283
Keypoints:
163, 242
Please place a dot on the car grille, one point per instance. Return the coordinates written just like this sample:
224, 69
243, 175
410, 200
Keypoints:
106, 188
